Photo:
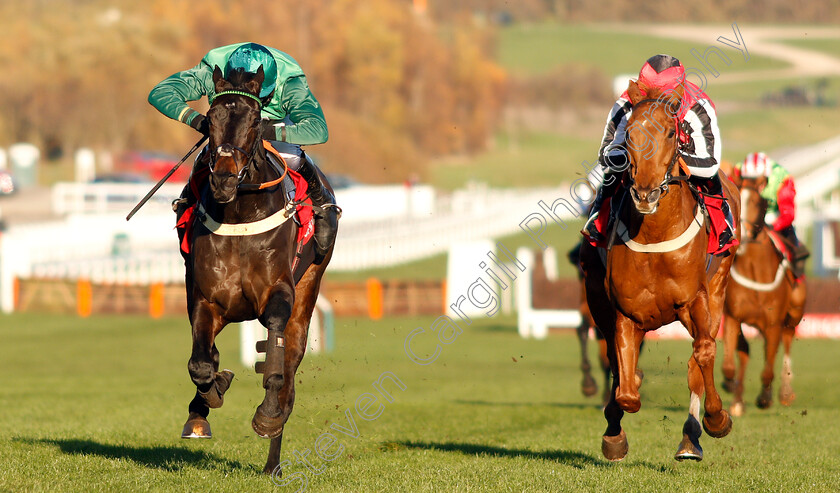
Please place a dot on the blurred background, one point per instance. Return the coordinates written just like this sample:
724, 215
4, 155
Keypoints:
449, 121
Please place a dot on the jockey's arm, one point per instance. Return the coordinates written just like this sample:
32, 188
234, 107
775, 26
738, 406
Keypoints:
170, 96
299, 104
704, 161
785, 199
612, 150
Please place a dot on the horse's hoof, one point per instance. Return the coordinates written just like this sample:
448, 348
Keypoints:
728, 385
689, 449
588, 386
215, 397
614, 448
765, 399
267, 427
736, 409
196, 427
786, 398
718, 428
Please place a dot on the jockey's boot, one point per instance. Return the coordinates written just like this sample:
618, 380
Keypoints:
799, 252
713, 186
324, 207
607, 190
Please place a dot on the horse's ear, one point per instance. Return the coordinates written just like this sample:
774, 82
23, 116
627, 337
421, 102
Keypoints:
634, 90
255, 84
218, 79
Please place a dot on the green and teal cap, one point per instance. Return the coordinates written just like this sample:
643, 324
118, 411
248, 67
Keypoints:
249, 57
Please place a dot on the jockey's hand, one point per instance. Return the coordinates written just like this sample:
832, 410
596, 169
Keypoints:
201, 124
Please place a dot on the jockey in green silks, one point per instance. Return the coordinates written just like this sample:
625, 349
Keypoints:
291, 116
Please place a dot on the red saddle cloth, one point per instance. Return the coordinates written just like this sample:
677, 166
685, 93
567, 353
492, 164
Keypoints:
199, 178
716, 217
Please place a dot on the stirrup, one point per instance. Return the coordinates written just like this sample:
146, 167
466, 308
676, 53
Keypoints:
590, 230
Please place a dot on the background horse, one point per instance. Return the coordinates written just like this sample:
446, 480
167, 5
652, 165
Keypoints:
657, 274
763, 293
242, 264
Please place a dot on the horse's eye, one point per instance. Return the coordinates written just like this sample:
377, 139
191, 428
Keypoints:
671, 133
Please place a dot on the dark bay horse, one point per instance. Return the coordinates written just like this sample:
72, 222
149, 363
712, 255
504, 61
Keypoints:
763, 293
656, 274
245, 263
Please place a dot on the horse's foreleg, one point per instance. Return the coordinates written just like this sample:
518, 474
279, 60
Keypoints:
203, 366
731, 328
772, 337
786, 394
689, 447
269, 419
743, 348
614, 444
628, 340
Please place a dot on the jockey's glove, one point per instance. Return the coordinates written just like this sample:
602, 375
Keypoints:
201, 124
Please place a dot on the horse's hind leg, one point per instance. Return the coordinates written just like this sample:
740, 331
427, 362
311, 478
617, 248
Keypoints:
772, 337
588, 385
786, 394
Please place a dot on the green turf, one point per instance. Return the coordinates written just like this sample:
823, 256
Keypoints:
537, 48
526, 159
829, 46
97, 405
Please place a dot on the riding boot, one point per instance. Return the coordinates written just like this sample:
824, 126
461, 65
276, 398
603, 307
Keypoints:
606, 191
799, 252
324, 207
713, 186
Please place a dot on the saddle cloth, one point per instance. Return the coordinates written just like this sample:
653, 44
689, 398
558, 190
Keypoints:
715, 224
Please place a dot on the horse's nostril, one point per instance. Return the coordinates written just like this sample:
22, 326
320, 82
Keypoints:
654, 196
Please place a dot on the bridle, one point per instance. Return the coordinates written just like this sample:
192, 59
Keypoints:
662, 190
249, 156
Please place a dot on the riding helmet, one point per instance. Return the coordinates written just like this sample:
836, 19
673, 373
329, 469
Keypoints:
662, 71
249, 57
755, 165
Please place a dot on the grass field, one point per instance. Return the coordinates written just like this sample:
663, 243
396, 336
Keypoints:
535, 48
97, 405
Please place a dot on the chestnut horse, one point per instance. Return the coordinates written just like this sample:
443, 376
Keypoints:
245, 263
763, 293
657, 274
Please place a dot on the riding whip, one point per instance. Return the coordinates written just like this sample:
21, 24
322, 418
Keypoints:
166, 177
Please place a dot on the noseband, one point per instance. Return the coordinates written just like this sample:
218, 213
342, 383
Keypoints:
662, 190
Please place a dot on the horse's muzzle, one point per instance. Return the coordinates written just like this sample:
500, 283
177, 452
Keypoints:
223, 186
646, 201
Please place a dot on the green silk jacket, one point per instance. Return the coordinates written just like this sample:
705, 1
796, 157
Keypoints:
292, 97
